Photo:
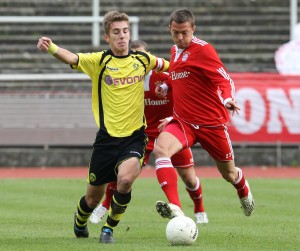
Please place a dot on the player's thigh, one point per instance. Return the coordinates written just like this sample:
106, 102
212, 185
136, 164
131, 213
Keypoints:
216, 141
183, 158
103, 162
133, 146
129, 169
131, 158
169, 140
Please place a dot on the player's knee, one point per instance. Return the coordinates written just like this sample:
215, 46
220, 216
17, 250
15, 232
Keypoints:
92, 202
124, 184
159, 151
230, 176
190, 182
228, 170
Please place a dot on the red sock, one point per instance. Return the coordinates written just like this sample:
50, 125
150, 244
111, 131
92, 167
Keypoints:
109, 192
240, 184
167, 178
196, 196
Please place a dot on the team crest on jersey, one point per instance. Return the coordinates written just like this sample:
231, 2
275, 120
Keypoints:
92, 177
108, 80
185, 56
135, 66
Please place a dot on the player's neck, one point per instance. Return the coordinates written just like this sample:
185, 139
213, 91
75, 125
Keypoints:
120, 53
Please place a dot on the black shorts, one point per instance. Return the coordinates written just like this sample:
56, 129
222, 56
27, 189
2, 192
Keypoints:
109, 152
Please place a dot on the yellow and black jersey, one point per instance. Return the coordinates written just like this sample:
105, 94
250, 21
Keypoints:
118, 88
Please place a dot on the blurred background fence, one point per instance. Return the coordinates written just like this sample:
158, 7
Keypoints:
45, 107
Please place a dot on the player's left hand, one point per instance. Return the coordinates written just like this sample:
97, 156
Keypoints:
232, 106
160, 91
163, 123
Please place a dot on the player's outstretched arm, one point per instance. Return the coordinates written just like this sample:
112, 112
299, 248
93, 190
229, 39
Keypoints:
45, 44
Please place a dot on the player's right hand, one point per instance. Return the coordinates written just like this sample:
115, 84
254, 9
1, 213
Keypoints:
44, 43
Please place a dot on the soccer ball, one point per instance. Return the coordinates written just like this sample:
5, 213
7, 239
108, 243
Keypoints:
181, 230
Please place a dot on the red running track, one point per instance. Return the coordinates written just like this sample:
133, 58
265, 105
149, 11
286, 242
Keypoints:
148, 172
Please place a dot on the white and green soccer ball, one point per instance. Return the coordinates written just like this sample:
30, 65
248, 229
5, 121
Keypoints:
181, 230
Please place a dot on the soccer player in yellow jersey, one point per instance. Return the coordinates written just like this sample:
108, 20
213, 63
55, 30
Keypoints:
117, 78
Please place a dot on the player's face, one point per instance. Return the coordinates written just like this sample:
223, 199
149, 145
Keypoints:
118, 38
182, 34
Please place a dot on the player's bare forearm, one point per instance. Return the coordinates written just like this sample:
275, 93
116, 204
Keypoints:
66, 56
45, 44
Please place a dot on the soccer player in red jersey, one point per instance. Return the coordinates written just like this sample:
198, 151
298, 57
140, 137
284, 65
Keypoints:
203, 94
156, 110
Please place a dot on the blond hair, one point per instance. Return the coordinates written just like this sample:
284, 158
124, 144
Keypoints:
113, 16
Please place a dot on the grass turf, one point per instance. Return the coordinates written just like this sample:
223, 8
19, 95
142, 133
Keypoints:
37, 214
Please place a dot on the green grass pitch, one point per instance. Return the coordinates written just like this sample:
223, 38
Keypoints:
37, 214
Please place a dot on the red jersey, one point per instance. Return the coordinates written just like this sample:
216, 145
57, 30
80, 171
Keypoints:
156, 108
200, 84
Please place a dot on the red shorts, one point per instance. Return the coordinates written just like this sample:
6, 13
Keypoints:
215, 140
182, 159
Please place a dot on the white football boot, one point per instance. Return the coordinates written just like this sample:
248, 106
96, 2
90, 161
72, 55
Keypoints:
168, 210
201, 218
98, 214
247, 202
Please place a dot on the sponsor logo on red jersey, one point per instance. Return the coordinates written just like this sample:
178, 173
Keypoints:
149, 101
178, 75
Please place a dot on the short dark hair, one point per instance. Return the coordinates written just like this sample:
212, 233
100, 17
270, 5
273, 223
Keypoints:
181, 16
138, 43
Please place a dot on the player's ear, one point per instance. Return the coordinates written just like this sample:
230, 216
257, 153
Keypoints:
106, 38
